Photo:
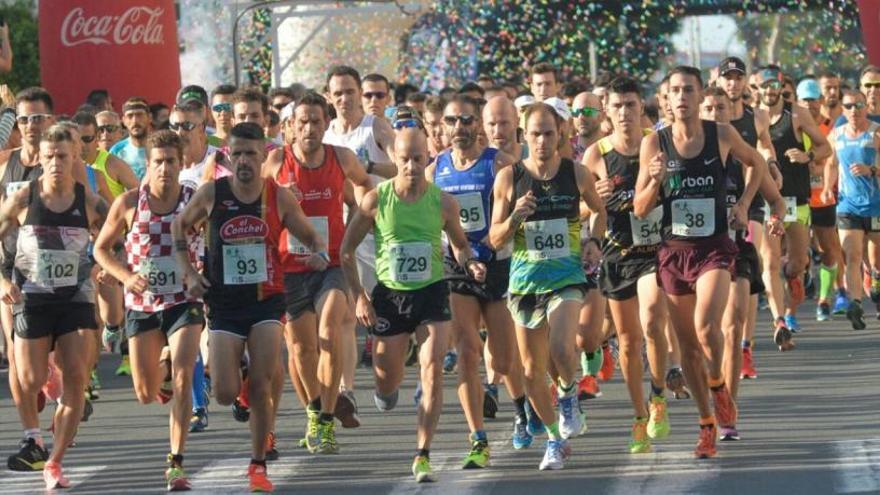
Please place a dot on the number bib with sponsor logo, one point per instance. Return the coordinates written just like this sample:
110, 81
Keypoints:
161, 275
875, 223
294, 246
13, 187
790, 209
56, 268
244, 264
693, 217
547, 239
410, 261
646, 231
471, 212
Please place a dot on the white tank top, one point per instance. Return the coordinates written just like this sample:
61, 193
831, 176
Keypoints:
361, 141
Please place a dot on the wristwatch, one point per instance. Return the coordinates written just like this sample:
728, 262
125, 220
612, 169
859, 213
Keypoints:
873, 171
811, 155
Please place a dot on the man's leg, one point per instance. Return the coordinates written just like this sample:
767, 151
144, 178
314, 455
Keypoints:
829, 247
302, 347
652, 310
148, 373
629, 333
853, 241
733, 325
389, 356
797, 237
26, 405
501, 345
332, 337
73, 355
771, 254
225, 352
465, 331
184, 345
431, 373
263, 345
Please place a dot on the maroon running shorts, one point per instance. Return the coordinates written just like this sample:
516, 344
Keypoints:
680, 263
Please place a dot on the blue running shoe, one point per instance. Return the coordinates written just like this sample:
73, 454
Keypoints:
570, 421
841, 303
792, 323
449, 362
521, 438
823, 312
199, 420
535, 426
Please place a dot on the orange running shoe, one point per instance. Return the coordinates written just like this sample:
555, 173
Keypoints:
53, 477
271, 447
608, 364
259, 481
748, 366
706, 444
725, 407
588, 388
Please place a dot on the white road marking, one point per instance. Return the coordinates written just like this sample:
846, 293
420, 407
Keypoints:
12, 482
858, 466
647, 473
230, 475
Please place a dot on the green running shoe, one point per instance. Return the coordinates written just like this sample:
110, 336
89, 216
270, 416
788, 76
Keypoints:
421, 469
658, 424
327, 435
312, 439
640, 442
124, 368
478, 457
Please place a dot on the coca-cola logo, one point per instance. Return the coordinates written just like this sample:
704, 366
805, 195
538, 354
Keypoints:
135, 26
244, 227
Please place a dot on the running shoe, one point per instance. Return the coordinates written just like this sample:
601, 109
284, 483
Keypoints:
782, 336
91, 393
327, 438
478, 457
792, 324
88, 409
166, 392
124, 368
640, 442
241, 408
258, 480
417, 395
588, 388
706, 444
675, 382
421, 469
728, 433
856, 315
176, 479
841, 302
53, 476
346, 410
199, 420
490, 400
30, 456
823, 312
521, 437
535, 426
94, 381
449, 362
271, 447
555, 455
570, 423
313, 431
606, 372
763, 303
367, 353
796, 290
725, 407
748, 370
658, 424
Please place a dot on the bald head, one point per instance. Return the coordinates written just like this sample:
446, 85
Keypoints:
586, 99
588, 114
410, 156
499, 122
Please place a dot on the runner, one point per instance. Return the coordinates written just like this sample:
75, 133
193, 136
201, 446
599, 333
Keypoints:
544, 81
500, 126
109, 131
159, 311
696, 256
408, 214
221, 114
858, 208
869, 84
51, 287
243, 283
537, 204
117, 173
788, 123
188, 122
136, 117
316, 301
433, 119
628, 270
831, 111
588, 114
467, 171
376, 95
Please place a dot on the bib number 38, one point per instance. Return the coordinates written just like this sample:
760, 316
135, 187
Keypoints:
693, 217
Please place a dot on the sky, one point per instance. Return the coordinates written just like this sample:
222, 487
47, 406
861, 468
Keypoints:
717, 34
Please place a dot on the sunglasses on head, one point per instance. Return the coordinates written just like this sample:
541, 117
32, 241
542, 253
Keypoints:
465, 120
108, 128
857, 105
222, 107
33, 119
185, 125
406, 124
586, 112
87, 139
379, 95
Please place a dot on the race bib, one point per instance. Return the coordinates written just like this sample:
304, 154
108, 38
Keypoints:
13, 187
294, 246
410, 261
471, 213
161, 275
646, 231
693, 217
547, 239
875, 223
817, 182
56, 268
244, 264
790, 209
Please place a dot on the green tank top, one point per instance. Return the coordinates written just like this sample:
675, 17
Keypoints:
116, 188
408, 251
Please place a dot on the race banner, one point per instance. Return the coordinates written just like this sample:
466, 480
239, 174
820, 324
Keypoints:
869, 14
128, 47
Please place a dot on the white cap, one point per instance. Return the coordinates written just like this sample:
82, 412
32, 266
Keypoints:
287, 111
523, 101
560, 107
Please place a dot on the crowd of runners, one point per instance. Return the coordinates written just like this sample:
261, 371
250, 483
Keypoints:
553, 232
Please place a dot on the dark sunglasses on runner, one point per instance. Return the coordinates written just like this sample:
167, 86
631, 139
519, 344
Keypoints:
222, 107
465, 120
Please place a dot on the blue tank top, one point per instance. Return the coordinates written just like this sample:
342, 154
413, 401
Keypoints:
473, 190
857, 195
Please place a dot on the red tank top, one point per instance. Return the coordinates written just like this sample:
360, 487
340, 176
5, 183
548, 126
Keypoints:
320, 194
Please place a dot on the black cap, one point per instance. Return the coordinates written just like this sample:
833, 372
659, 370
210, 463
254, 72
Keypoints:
192, 93
731, 64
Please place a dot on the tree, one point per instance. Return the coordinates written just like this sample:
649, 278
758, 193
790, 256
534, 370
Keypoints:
23, 36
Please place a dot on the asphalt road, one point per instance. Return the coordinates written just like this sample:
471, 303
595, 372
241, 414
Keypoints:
809, 425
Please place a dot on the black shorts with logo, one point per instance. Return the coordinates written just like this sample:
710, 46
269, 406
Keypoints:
493, 289
619, 281
403, 311
167, 321
53, 320
240, 322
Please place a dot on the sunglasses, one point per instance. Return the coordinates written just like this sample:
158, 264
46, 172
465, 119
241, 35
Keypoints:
771, 84
33, 119
858, 105
87, 139
586, 112
185, 125
869, 85
379, 95
109, 128
279, 106
808, 100
465, 120
406, 124
221, 107
786, 94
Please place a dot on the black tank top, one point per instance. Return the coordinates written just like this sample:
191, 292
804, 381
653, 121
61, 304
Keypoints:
735, 184
556, 198
795, 176
52, 264
627, 238
747, 129
17, 174
694, 192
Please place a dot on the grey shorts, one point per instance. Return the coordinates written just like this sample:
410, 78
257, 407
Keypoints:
303, 290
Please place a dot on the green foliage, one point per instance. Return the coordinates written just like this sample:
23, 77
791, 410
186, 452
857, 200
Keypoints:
23, 36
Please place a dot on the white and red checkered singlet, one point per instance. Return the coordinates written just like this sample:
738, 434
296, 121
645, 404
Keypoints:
150, 252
